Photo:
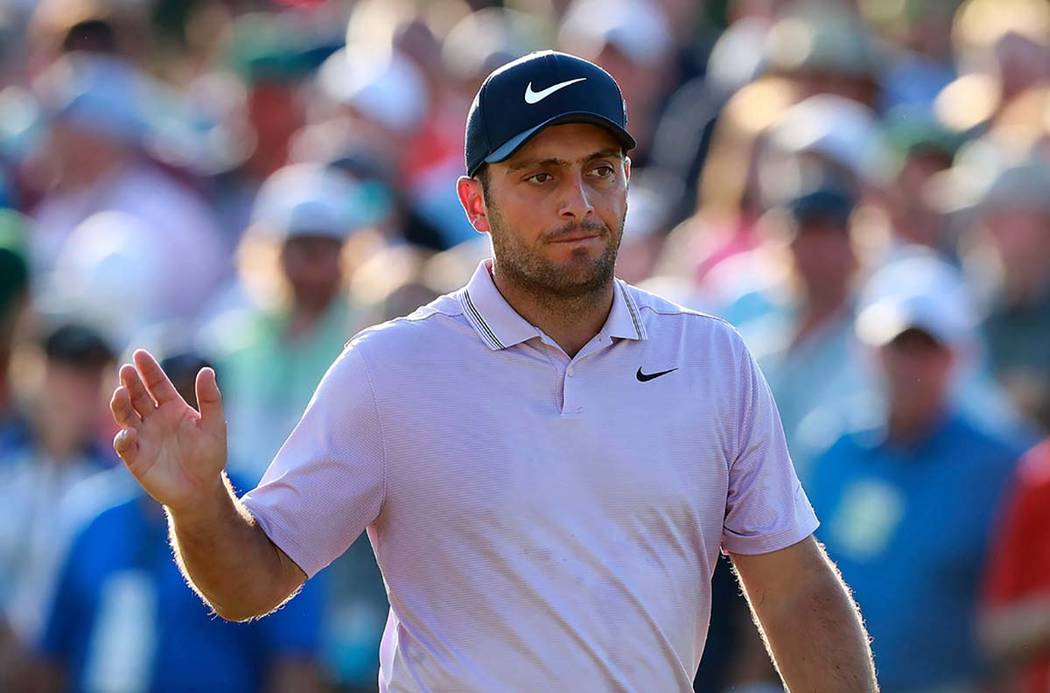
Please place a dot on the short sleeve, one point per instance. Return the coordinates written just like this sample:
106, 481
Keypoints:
766, 508
1017, 569
327, 482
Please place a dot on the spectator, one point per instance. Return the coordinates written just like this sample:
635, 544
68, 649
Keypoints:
1011, 205
805, 342
1016, 615
304, 213
922, 147
825, 49
908, 505
98, 116
52, 453
124, 619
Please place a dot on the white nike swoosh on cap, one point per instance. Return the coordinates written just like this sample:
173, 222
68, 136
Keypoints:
532, 97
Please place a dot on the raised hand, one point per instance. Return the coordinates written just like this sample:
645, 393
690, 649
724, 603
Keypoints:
176, 453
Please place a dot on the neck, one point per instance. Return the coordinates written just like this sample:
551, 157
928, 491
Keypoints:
304, 318
908, 428
571, 321
817, 313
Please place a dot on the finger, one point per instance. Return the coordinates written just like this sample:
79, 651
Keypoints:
123, 412
126, 443
156, 380
209, 399
137, 395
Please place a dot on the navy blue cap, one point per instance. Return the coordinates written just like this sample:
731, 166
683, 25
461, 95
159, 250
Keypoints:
521, 98
824, 203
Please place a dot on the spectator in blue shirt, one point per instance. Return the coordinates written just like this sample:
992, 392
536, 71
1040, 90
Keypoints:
907, 507
123, 619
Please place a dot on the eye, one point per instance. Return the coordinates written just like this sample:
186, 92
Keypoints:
603, 171
541, 177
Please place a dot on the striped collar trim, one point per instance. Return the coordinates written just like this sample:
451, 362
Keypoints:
499, 326
625, 319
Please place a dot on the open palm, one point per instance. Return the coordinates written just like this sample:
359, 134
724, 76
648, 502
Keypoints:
176, 453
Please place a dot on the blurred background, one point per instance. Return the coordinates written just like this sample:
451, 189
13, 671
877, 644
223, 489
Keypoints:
862, 187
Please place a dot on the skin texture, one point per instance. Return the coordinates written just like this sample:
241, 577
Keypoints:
555, 210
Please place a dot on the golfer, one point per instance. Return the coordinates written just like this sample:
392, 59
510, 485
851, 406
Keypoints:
547, 461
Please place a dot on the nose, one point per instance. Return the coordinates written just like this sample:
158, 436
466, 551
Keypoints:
575, 201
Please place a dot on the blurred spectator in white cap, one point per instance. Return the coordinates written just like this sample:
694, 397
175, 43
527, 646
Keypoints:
908, 500
98, 114
826, 139
1010, 204
62, 440
825, 49
112, 271
387, 108
303, 216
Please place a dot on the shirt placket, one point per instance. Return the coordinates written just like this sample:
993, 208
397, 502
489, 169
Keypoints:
573, 375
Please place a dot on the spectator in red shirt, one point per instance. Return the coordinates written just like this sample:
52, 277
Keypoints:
1016, 620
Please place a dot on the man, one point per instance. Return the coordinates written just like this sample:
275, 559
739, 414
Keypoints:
306, 212
1015, 618
44, 457
547, 461
908, 504
806, 345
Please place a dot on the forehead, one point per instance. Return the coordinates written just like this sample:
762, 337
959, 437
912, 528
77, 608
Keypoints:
568, 141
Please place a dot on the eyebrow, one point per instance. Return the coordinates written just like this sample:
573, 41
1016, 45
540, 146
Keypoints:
554, 161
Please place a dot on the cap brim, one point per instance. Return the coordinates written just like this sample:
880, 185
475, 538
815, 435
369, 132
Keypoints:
512, 145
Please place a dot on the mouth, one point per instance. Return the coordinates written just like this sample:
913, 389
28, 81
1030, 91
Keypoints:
577, 238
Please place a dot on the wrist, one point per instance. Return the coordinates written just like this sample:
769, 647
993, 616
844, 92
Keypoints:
204, 508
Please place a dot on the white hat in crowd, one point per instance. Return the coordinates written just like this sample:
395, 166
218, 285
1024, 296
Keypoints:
310, 200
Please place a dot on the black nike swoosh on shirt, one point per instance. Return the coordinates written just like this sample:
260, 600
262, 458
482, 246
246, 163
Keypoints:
646, 377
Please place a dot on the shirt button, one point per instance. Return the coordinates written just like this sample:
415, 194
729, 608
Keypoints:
572, 371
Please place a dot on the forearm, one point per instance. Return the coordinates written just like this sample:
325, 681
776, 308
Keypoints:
1019, 631
228, 559
818, 643
811, 626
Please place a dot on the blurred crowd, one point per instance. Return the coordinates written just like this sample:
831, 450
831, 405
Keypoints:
862, 187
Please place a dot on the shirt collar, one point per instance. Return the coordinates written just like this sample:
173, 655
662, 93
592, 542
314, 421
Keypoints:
500, 326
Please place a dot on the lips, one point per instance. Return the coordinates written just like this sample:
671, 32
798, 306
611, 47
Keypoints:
574, 239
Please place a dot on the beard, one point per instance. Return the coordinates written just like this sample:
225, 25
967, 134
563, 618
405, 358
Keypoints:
581, 275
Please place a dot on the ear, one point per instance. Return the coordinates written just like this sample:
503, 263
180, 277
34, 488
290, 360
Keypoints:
627, 169
473, 201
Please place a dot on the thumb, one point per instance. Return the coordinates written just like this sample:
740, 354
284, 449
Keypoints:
209, 400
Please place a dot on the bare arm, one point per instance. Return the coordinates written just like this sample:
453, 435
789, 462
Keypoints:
811, 626
1019, 631
178, 454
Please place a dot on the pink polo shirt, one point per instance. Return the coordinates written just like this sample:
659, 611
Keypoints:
542, 522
